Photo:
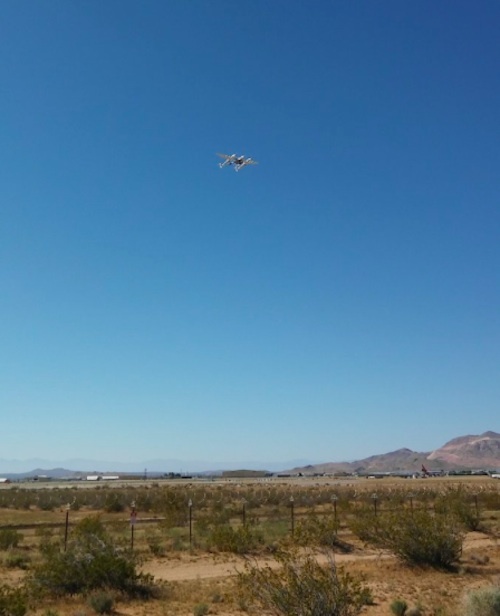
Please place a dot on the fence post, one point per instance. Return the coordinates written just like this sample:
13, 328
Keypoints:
68, 507
243, 511
133, 519
190, 506
335, 498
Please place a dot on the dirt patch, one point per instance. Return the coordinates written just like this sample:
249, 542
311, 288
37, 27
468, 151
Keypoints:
204, 567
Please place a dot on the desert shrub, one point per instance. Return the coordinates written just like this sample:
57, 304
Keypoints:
399, 607
467, 514
200, 609
9, 538
154, 541
17, 560
91, 562
45, 502
217, 597
101, 602
44, 534
418, 537
12, 602
364, 524
457, 502
490, 499
219, 514
176, 540
91, 526
114, 504
275, 532
240, 540
320, 531
302, 586
482, 602
174, 514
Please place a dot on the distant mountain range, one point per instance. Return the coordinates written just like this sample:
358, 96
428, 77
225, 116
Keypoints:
19, 469
461, 453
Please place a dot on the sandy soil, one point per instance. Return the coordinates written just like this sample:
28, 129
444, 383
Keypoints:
203, 566
385, 575
193, 567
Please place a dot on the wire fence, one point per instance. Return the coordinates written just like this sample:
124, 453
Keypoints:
187, 512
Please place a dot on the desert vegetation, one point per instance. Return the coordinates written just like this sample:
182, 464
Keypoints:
337, 548
302, 585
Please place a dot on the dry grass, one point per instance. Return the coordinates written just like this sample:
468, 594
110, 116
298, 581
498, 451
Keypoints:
192, 577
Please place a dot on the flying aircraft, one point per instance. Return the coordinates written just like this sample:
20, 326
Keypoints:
237, 161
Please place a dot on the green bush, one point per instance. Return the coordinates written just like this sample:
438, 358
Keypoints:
364, 525
399, 607
458, 503
9, 538
17, 560
12, 602
302, 586
320, 531
201, 609
416, 537
242, 540
467, 514
174, 511
101, 602
114, 504
482, 602
91, 526
154, 541
91, 562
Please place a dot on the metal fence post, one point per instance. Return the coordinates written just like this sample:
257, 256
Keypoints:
190, 506
133, 518
68, 507
335, 498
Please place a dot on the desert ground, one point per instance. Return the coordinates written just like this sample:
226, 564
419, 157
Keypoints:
196, 578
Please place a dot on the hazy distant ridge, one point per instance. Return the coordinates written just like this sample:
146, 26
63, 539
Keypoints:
61, 468
463, 452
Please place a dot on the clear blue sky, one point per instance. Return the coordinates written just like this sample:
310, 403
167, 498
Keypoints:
338, 300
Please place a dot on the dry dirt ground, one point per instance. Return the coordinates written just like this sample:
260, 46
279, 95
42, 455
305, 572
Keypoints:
190, 580
193, 579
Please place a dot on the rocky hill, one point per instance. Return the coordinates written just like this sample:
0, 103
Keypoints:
481, 451
461, 453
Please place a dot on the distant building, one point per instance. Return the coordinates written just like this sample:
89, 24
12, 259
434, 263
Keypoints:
4, 480
242, 474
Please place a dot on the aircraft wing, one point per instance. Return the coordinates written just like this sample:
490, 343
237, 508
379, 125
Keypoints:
226, 156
